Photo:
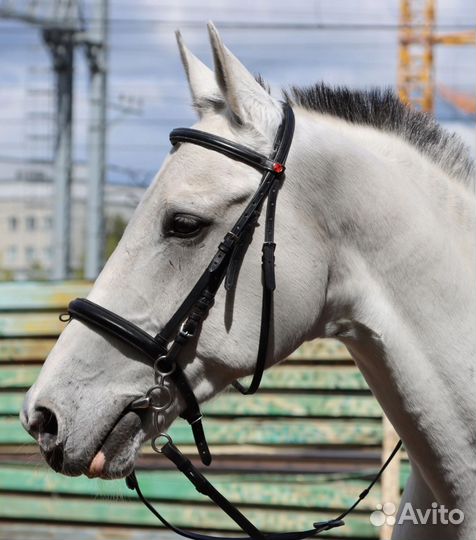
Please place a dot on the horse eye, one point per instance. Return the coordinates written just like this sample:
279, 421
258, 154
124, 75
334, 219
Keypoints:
185, 225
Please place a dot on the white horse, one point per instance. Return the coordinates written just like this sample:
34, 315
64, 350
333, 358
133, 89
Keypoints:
375, 240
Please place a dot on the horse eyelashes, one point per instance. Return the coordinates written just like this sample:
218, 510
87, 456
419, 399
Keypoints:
184, 226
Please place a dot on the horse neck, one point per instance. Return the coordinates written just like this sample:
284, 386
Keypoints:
399, 236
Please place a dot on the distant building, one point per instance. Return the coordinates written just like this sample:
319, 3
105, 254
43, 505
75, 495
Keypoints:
26, 216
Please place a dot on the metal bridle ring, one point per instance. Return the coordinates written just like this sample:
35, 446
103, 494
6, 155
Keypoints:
168, 401
163, 373
159, 436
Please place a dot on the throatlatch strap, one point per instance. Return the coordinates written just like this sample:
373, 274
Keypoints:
269, 285
268, 261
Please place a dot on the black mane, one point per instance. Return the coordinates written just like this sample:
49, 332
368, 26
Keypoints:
383, 110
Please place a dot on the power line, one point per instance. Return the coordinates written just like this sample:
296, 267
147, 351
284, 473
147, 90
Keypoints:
158, 122
246, 25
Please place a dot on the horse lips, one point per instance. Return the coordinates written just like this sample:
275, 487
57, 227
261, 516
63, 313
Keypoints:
118, 438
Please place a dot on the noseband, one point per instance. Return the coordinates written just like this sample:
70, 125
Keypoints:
164, 349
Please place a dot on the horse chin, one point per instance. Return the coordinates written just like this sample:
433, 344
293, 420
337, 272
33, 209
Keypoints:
116, 455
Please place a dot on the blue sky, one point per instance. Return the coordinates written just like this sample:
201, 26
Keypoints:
349, 42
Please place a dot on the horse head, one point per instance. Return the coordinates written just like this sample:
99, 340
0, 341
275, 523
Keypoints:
79, 408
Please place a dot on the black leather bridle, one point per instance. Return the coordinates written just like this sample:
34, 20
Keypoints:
164, 349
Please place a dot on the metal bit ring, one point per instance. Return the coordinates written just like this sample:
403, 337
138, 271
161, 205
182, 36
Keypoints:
158, 437
156, 406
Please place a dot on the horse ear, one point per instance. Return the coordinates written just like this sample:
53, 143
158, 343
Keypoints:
205, 91
246, 99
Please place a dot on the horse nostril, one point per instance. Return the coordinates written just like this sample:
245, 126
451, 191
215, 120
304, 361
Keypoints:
43, 425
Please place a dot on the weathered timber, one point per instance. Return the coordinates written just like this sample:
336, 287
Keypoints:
298, 491
301, 405
324, 349
72, 509
390, 483
18, 324
290, 405
283, 377
286, 461
319, 491
40, 295
10, 530
14, 377
25, 349
312, 377
250, 431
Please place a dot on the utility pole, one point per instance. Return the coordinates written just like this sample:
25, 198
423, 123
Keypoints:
61, 45
96, 50
59, 22
39, 113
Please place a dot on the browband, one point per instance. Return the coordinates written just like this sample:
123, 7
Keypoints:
224, 146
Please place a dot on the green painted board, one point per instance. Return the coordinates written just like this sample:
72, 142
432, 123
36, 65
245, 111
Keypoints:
11, 402
36, 349
11, 530
277, 431
289, 376
34, 295
25, 349
30, 324
18, 376
286, 376
301, 405
54, 508
325, 491
299, 491
324, 349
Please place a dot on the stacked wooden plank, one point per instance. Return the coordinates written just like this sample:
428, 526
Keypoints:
298, 452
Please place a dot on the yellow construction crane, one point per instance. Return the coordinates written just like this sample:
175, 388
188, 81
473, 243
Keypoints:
417, 39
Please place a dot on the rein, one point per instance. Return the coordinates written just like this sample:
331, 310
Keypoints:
164, 349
